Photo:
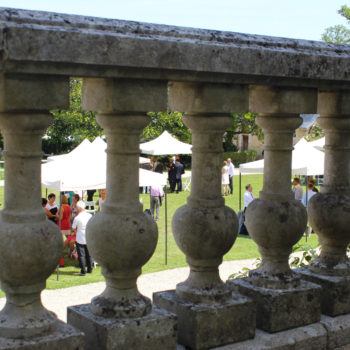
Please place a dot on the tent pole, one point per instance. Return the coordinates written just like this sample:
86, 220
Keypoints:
306, 201
166, 226
240, 191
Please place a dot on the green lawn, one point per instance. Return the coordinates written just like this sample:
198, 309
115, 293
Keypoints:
244, 247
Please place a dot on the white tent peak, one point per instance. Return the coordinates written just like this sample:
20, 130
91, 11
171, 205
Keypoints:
80, 149
306, 160
165, 144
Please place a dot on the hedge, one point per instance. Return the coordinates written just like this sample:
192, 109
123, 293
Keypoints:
241, 157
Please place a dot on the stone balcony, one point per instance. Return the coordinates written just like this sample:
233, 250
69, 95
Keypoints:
130, 69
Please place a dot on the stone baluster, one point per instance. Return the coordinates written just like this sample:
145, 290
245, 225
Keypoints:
31, 245
205, 229
329, 210
121, 237
276, 221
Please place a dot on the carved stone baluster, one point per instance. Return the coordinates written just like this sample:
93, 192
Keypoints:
31, 245
329, 210
205, 229
121, 237
276, 221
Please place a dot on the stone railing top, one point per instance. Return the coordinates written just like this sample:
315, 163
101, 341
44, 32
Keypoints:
51, 43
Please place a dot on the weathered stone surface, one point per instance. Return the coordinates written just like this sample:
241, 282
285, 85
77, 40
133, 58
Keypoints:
267, 100
335, 293
338, 331
124, 95
60, 337
46, 42
281, 309
205, 325
312, 337
207, 98
156, 331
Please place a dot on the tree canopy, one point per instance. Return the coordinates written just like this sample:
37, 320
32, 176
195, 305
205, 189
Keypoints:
71, 126
170, 121
339, 34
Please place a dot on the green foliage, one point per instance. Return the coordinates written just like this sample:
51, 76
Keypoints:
315, 133
241, 157
170, 121
339, 34
242, 123
71, 126
309, 253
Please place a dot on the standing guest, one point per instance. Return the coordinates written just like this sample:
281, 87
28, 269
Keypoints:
172, 175
51, 208
225, 180
79, 228
297, 189
65, 225
157, 166
156, 194
231, 171
64, 216
90, 198
313, 186
179, 171
309, 194
101, 198
248, 195
74, 211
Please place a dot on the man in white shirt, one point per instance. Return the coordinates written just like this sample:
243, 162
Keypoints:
79, 228
231, 170
248, 195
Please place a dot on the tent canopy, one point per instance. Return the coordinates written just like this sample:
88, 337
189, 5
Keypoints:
318, 144
78, 171
306, 160
165, 144
81, 149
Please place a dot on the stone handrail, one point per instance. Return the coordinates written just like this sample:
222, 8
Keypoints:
51, 43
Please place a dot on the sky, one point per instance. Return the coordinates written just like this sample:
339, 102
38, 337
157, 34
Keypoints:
300, 19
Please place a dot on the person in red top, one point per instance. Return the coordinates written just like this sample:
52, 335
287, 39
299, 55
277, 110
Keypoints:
65, 224
64, 215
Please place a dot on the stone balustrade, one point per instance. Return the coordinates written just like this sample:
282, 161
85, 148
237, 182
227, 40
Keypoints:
129, 69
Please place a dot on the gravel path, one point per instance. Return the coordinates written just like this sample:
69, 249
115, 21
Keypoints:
59, 299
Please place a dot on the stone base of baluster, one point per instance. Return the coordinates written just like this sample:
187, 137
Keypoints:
282, 309
203, 326
311, 337
156, 331
61, 337
335, 295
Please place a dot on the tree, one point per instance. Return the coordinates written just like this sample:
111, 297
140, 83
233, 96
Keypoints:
339, 34
170, 121
71, 126
242, 123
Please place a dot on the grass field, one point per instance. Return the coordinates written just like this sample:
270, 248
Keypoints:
244, 247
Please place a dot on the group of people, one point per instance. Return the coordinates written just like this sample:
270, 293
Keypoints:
72, 217
175, 170
299, 193
227, 172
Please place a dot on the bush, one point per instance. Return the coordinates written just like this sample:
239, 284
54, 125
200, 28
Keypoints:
241, 157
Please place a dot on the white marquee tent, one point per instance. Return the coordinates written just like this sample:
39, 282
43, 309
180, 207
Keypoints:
82, 170
165, 144
318, 144
306, 160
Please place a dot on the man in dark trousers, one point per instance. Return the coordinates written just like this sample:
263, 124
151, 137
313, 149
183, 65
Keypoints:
172, 175
179, 171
